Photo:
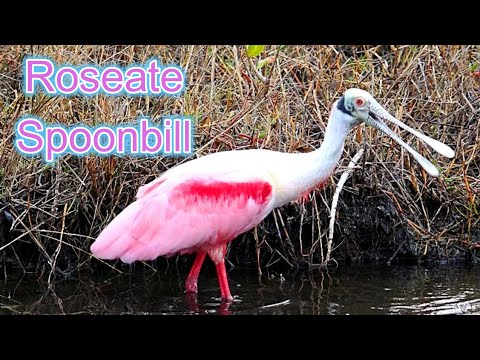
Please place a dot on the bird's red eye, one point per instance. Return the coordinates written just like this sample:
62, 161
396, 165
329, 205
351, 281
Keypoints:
359, 102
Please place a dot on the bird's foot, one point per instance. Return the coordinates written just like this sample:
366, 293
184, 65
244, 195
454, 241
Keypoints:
192, 301
225, 307
226, 298
191, 285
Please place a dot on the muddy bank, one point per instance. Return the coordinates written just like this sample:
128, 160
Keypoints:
369, 229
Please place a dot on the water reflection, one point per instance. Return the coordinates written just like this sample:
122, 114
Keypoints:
348, 290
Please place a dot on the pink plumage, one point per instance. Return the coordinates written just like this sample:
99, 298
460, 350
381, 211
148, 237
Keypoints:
191, 214
194, 215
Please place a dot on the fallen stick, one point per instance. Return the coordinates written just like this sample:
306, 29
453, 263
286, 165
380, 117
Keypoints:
333, 208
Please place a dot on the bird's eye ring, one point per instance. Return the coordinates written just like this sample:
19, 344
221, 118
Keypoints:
359, 102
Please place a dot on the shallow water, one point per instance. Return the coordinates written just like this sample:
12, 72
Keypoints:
348, 290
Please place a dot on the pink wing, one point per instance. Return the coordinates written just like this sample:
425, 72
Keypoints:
192, 214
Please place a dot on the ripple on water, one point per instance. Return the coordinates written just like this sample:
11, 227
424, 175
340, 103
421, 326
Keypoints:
346, 290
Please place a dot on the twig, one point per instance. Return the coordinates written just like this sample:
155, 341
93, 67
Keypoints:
286, 302
257, 72
57, 250
333, 210
389, 262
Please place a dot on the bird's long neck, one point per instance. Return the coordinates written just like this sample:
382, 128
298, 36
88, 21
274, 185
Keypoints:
305, 171
324, 160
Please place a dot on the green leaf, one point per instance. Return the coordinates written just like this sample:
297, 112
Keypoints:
262, 134
263, 62
254, 50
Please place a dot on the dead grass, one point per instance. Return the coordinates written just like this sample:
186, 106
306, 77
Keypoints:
58, 210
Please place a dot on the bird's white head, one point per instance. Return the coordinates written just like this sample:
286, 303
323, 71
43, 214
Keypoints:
357, 106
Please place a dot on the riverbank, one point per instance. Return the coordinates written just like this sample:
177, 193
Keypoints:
389, 210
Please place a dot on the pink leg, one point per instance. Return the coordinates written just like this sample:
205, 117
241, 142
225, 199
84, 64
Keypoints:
192, 302
192, 278
218, 257
223, 281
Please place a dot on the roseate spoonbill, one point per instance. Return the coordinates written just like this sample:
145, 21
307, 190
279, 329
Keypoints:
201, 205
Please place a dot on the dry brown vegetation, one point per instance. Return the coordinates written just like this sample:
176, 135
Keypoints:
390, 209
